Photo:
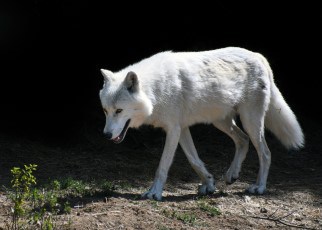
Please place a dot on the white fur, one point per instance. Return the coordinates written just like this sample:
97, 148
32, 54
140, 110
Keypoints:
177, 90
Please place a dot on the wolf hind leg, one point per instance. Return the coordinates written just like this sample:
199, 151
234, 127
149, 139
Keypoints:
186, 142
241, 141
252, 117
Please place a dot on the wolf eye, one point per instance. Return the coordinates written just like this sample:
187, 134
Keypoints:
105, 111
118, 111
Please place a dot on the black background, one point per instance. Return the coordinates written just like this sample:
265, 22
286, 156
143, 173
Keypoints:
51, 51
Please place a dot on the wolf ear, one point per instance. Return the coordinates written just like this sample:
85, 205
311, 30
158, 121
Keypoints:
131, 82
106, 74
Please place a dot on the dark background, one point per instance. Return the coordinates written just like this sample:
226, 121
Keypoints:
51, 52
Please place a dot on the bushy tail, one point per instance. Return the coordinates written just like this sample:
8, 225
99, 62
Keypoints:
281, 120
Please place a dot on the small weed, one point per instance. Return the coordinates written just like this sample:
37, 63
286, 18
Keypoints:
75, 187
67, 208
124, 185
211, 210
107, 187
34, 208
186, 217
21, 183
154, 204
55, 185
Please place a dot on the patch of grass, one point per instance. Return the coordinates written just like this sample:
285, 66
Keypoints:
75, 187
185, 217
55, 185
80, 188
107, 187
211, 210
124, 185
154, 204
34, 207
67, 209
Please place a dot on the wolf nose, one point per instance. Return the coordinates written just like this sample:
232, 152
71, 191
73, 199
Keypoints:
108, 135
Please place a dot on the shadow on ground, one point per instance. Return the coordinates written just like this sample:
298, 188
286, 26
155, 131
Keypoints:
88, 156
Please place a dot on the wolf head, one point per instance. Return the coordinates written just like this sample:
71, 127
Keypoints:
124, 103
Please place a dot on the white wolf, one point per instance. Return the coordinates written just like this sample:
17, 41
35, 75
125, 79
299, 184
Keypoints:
176, 90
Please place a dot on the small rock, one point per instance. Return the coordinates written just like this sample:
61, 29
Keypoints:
263, 210
247, 199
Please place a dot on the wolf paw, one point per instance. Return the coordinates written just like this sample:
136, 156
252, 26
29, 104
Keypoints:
231, 176
206, 189
256, 189
152, 195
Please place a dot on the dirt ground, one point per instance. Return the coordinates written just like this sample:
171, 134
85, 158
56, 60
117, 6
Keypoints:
293, 199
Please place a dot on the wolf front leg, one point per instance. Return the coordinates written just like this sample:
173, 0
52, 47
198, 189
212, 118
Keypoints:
189, 149
171, 143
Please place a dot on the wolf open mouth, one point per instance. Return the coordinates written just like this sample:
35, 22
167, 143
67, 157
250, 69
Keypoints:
120, 138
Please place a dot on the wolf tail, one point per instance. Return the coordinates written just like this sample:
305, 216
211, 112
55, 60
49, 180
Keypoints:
281, 120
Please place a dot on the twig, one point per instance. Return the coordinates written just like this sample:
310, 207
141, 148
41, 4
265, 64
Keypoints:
286, 215
273, 213
104, 213
281, 222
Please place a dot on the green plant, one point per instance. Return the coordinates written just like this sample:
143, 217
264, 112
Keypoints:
154, 203
38, 207
185, 217
55, 185
22, 181
211, 210
124, 185
75, 187
67, 208
107, 187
